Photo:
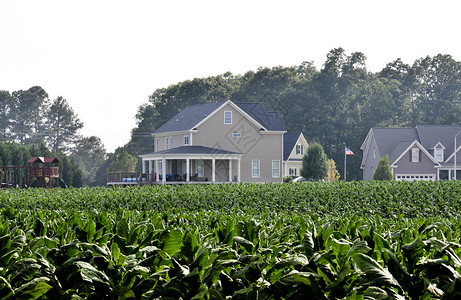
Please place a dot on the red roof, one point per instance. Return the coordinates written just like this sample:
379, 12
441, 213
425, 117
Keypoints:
43, 160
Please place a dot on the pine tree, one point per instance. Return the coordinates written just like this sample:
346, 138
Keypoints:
383, 171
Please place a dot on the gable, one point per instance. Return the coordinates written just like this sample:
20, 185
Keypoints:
405, 155
290, 140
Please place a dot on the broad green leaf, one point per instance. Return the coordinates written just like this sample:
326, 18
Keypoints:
373, 270
173, 242
33, 289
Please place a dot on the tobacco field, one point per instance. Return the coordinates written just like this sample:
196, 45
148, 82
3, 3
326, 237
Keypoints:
345, 240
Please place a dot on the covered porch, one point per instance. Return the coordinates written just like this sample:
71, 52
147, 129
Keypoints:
191, 164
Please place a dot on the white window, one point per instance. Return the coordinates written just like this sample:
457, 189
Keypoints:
438, 154
374, 154
227, 117
292, 172
171, 142
415, 155
186, 140
166, 143
276, 168
236, 134
255, 164
200, 167
299, 149
156, 144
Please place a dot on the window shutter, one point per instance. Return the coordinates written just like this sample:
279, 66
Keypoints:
409, 152
419, 150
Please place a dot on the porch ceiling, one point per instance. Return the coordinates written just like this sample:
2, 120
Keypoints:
192, 152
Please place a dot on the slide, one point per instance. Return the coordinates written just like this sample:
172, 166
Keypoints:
62, 184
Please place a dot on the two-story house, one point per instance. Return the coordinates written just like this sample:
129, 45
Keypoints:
223, 141
421, 153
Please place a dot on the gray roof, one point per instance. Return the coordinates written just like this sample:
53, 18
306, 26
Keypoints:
194, 114
394, 141
192, 150
289, 141
430, 136
270, 120
390, 139
189, 117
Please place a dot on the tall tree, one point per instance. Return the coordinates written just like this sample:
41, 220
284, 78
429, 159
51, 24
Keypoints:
27, 112
90, 154
6, 103
62, 124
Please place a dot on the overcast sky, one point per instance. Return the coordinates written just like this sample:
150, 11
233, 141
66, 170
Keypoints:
107, 57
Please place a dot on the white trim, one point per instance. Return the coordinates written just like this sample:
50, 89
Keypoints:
441, 146
272, 132
168, 133
451, 156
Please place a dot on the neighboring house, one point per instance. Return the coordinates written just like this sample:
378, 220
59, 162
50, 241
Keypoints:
220, 141
420, 153
294, 148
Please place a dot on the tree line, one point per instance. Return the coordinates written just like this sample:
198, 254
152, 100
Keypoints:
32, 124
334, 106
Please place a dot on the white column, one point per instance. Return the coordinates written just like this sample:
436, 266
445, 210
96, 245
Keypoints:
143, 166
238, 171
163, 170
150, 168
157, 175
230, 170
213, 170
187, 169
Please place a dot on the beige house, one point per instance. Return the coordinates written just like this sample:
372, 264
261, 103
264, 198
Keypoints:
222, 142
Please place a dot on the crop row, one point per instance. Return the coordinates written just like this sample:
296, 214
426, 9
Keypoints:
387, 199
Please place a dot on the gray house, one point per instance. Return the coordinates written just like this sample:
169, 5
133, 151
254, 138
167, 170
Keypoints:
221, 141
420, 153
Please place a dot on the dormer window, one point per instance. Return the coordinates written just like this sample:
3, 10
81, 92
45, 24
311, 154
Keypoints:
438, 154
415, 155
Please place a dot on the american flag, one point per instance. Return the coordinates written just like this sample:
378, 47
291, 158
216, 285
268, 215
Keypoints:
349, 152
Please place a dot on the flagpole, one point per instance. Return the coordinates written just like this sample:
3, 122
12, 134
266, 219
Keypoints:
345, 157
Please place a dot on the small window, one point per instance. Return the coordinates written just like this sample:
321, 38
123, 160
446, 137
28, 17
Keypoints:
438, 154
299, 149
415, 155
171, 142
255, 168
166, 143
236, 134
227, 117
292, 171
276, 168
186, 140
200, 167
156, 144
374, 154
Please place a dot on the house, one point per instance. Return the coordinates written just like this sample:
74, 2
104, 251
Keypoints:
223, 141
294, 148
421, 153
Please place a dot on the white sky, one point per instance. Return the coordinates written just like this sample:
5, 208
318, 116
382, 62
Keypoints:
107, 57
